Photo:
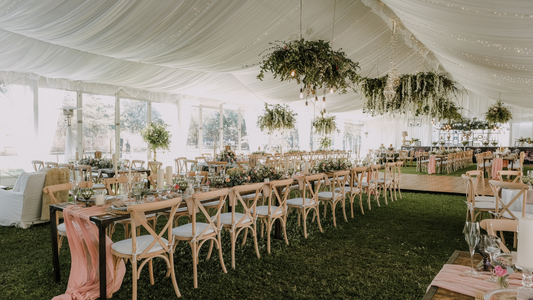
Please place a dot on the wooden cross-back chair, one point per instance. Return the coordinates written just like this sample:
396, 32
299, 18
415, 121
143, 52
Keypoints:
37, 164
304, 204
519, 164
503, 210
373, 187
517, 174
235, 222
126, 163
356, 187
396, 179
275, 208
203, 174
144, 248
385, 183
51, 164
180, 166
190, 165
475, 208
153, 166
492, 226
336, 194
51, 191
197, 233
200, 159
137, 163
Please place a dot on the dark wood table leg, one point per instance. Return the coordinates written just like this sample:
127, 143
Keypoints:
55, 246
102, 260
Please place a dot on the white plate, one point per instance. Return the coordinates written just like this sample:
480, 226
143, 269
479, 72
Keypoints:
119, 208
501, 294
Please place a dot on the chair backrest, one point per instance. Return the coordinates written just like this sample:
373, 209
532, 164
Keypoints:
357, 175
492, 226
116, 181
522, 157
476, 180
200, 159
339, 180
203, 174
374, 173
403, 154
236, 198
69, 166
51, 189
309, 188
138, 218
518, 175
194, 206
274, 198
470, 196
180, 165
479, 158
190, 165
220, 166
51, 164
37, 164
137, 163
154, 166
85, 172
497, 185
126, 162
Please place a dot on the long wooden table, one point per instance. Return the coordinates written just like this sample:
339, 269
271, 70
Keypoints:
458, 258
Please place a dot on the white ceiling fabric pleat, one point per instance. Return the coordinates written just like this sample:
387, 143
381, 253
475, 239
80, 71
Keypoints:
211, 49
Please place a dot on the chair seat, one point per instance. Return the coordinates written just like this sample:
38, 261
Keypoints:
62, 229
486, 205
211, 204
143, 241
517, 214
186, 230
225, 218
98, 186
485, 199
263, 210
329, 195
382, 180
300, 202
250, 196
363, 184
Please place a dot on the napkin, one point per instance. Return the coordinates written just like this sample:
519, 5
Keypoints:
118, 203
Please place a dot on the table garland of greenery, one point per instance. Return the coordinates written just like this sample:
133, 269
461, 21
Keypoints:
314, 64
425, 93
498, 113
157, 136
332, 164
277, 117
97, 163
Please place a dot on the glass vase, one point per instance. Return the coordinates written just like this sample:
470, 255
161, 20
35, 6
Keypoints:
503, 282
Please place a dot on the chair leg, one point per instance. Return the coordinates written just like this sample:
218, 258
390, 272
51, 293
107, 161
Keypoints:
304, 214
344, 209
318, 218
245, 235
268, 227
173, 274
134, 278
210, 250
151, 271
285, 229
333, 204
351, 204
255, 241
195, 263
232, 238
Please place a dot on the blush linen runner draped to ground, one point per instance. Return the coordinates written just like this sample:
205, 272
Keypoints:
450, 277
497, 165
82, 236
432, 165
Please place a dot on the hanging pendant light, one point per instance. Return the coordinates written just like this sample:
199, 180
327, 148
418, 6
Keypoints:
393, 79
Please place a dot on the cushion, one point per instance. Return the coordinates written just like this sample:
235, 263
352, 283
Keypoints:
347, 189
62, 229
363, 184
263, 210
329, 195
225, 218
300, 202
143, 241
186, 230
485, 199
210, 204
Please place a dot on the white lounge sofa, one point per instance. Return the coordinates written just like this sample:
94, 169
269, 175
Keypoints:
22, 205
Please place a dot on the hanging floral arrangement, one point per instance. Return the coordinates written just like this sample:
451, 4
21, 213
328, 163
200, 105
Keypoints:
313, 64
324, 124
498, 113
277, 117
157, 136
425, 93
325, 142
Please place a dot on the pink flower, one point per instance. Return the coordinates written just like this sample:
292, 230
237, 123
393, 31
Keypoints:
499, 271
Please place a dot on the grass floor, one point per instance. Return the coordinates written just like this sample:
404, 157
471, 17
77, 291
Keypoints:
391, 252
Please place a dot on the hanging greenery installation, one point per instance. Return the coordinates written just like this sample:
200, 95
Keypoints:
498, 113
424, 93
277, 117
314, 64
324, 124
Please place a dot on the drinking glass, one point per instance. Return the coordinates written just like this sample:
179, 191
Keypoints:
150, 198
492, 247
75, 189
137, 190
87, 193
472, 237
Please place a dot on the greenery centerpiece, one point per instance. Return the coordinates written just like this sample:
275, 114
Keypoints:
312, 63
498, 114
157, 136
332, 164
96, 163
425, 93
262, 172
228, 156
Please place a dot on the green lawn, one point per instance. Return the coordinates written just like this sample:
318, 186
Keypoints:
391, 252
458, 173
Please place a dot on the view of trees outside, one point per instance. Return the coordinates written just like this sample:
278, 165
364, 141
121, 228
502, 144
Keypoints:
352, 137
168, 114
194, 128
133, 119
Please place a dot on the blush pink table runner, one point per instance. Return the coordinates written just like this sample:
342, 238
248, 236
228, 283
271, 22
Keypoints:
497, 165
82, 236
450, 277
432, 165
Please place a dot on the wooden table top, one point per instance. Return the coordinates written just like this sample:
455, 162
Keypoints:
458, 258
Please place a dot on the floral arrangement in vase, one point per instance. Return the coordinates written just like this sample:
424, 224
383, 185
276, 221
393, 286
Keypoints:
390, 148
325, 142
502, 270
276, 117
227, 156
498, 113
262, 172
313, 64
157, 136
236, 177
332, 164
97, 163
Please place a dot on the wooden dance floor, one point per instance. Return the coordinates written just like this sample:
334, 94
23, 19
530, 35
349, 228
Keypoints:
438, 184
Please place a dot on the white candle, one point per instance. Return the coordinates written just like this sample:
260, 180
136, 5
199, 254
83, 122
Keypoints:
100, 200
160, 179
169, 175
525, 243
77, 157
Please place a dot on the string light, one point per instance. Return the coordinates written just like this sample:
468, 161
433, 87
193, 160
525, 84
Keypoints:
301, 93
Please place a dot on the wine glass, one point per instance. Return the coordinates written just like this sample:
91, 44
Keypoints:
492, 247
75, 189
472, 237
137, 190
87, 193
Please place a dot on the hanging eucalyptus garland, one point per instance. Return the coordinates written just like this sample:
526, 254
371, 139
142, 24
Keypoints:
324, 124
424, 93
279, 117
498, 113
314, 64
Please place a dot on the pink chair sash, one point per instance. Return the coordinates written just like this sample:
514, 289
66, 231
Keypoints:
450, 277
432, 164
497, 165
82, 236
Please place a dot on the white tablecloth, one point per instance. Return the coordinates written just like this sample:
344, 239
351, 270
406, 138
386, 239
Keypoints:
508, 195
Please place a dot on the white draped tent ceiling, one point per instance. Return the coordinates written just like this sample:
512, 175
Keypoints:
210, 48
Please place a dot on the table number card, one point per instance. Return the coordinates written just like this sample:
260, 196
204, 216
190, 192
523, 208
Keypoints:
252, 161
